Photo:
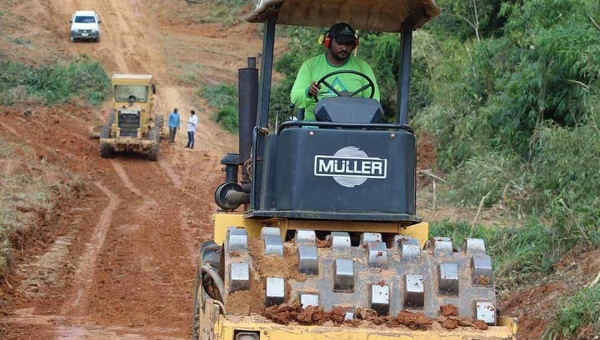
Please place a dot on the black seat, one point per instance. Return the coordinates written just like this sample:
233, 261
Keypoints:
349, 110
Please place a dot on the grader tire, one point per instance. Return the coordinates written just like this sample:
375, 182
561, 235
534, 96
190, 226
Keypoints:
155, 149
159, 121
106, 150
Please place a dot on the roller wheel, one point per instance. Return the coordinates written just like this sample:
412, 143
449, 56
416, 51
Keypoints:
348, 273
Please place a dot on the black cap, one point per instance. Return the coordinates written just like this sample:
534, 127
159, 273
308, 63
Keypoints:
342, 33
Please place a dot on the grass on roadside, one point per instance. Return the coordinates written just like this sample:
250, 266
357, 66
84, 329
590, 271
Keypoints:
53, 84
523, 255
579, 317
226, 12
224, 99
519, 254
189, 73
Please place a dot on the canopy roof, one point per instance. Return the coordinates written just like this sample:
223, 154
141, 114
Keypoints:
369, 15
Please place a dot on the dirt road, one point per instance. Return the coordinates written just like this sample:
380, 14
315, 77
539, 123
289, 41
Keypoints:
123, 262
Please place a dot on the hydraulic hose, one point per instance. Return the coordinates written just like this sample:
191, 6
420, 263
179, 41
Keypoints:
218, 282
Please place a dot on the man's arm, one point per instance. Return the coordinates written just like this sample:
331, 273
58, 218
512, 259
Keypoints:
299, 95
368, 71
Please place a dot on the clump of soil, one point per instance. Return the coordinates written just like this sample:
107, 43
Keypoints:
311, 315
449, 310
483, 280
323, 243
453, 322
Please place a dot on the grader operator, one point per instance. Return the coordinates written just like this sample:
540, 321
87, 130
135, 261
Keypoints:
305, 248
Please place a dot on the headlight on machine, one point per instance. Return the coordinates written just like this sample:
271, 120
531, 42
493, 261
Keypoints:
246, 336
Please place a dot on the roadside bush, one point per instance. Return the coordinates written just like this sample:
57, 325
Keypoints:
224, 99
519, 254
53, 84
488, 176
578, 319
225, 12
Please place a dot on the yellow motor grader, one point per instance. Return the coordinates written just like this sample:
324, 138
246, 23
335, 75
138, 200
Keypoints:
131, 123
317, 236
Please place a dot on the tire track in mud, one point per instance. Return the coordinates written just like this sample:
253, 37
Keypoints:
203, 173
175, 179
174, 197
146, 270
87, 263
129, 184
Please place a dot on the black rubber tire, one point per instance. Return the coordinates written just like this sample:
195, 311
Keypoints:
196, 312
209, 253
159, 121
106, 150
154, 136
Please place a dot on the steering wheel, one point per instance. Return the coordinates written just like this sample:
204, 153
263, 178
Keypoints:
132, 98
323, 81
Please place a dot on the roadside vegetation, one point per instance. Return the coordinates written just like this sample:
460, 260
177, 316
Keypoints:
511, 92
222, 98
61, 82
226, 12
512, 97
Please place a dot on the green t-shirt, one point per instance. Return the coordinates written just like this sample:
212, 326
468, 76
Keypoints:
315, 68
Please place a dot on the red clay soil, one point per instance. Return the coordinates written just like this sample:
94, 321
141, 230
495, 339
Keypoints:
311, 315
534, 307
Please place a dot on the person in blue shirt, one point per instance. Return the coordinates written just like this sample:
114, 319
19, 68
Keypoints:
174, 125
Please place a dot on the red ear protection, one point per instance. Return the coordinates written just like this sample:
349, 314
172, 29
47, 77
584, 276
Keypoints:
327, 41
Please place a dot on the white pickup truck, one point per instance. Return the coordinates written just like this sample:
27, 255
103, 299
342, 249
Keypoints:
84, 26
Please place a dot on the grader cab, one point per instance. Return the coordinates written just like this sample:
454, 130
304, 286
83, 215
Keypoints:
132, 124
318, 236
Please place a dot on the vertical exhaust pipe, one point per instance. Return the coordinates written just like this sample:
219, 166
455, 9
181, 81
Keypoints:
248, 107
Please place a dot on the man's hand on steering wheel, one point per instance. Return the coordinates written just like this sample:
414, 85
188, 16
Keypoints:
316, 86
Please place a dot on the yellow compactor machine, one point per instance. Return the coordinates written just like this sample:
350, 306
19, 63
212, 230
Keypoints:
132, 124
322, 214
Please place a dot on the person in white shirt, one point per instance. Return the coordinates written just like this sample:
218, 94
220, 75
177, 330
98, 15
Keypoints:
191, 128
